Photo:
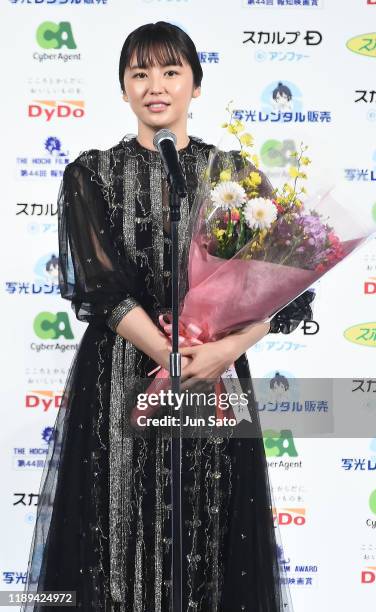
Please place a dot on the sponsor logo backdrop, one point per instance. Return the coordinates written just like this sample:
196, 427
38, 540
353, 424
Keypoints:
296, 70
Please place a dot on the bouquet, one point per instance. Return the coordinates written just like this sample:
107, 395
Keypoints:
255, 250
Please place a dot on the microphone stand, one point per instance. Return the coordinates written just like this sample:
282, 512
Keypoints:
175, 373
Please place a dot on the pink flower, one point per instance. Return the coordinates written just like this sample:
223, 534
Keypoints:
279, 207
320, 268
235, 215
333, 238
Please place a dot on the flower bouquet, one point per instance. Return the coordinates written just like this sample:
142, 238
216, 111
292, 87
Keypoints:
255, 250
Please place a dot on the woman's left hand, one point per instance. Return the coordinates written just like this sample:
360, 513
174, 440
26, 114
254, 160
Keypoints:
208, 361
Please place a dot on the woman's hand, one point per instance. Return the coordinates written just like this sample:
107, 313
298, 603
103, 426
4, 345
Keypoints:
165, 358
206, 361
210, 360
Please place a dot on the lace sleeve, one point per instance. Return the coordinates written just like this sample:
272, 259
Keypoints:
94, 274
288, 319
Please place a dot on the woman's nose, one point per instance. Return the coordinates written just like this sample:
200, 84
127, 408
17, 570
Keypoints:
156, 85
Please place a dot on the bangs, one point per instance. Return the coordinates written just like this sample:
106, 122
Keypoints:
159, 43
151, 52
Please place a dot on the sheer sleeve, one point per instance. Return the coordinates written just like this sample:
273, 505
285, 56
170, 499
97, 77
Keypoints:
288, 319
95, 274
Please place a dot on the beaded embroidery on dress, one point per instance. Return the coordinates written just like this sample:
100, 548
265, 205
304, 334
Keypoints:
103, 525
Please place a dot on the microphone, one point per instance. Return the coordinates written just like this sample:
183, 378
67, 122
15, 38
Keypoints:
165, 141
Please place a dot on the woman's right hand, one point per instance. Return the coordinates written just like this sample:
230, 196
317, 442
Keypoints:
165, 360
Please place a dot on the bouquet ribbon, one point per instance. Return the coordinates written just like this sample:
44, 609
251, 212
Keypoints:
191, 334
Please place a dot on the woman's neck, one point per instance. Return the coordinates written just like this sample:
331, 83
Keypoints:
145, 137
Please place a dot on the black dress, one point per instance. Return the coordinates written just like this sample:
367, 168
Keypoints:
103, 526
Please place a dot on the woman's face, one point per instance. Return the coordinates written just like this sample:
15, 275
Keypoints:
171, 86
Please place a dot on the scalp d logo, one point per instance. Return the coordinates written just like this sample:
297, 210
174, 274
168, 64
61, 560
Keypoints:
52, 35
364, 44
363, 334
50, 326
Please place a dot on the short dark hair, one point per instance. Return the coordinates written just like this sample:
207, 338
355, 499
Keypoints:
161, 41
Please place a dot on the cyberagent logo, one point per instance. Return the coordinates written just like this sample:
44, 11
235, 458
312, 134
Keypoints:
52, 35
279, 443
50, 326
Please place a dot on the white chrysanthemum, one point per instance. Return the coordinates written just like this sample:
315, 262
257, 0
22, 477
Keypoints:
228, 194
260, 213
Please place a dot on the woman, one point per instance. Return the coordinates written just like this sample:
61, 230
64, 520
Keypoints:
103, 525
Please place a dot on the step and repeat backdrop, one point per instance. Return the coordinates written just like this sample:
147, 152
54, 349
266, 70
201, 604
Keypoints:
296, 71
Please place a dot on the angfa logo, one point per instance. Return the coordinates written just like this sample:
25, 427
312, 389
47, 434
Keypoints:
370, 286
52, 35
58, 109
362, 333
364, 44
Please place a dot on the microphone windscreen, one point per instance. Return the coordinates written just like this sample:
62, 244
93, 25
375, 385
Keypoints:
162, 135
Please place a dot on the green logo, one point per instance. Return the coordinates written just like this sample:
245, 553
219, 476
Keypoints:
374, 212
50, 326
372, 501
275, 153
52, 35
279, 443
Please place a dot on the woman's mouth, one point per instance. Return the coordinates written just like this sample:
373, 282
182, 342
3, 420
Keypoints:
157, 107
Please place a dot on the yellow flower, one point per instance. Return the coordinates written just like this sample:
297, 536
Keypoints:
235, 127
255, 178
305, 161
256, 160
293, 172
244, 153
220, 233
246, 139
224, 125
225, 175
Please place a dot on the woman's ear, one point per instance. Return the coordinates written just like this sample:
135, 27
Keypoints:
125, 96
196, 92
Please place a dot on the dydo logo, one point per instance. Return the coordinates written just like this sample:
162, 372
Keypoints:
58, 109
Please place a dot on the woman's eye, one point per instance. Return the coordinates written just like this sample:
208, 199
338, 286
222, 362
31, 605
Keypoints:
173, 71
138, 74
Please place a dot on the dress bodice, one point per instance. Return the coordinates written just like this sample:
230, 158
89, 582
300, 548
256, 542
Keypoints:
126, 226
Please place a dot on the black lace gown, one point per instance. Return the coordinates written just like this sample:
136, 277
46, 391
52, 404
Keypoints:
103, 525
